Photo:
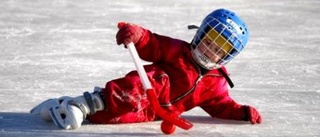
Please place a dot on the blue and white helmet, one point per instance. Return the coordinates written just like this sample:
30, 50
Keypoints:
226, 30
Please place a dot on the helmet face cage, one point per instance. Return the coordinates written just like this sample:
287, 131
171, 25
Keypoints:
215, 37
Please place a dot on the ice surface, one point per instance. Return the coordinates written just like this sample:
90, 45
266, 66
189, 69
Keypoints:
63, 47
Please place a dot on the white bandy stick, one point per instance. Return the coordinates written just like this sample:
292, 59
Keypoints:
166, 116
141, 71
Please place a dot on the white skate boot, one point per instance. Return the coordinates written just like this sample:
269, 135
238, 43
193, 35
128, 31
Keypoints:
68, 112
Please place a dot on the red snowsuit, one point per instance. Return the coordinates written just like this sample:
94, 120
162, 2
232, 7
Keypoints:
178, 83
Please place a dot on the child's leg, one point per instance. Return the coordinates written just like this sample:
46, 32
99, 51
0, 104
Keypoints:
126, 101
105, 117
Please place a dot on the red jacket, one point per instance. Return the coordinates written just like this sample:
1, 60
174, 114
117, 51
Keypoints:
177, 80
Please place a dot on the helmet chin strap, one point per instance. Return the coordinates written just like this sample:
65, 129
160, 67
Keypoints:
203, 61
205, 65
223, 73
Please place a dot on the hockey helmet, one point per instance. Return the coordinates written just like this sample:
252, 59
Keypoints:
222, 31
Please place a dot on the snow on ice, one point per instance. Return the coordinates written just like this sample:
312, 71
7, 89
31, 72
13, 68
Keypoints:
62, 47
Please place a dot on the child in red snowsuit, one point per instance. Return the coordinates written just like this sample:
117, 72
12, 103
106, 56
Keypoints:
184, 76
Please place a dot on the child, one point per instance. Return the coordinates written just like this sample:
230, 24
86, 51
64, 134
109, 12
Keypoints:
184, 75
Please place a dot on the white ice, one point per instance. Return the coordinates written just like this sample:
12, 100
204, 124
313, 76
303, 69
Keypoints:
52, 48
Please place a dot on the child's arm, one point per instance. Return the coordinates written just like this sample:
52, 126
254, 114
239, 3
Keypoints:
227, 108
150, 46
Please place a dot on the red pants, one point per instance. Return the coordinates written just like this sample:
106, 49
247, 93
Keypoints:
126, 101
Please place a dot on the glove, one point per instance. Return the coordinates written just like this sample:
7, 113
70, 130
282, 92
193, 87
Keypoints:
69, 113
252, 115
128, 33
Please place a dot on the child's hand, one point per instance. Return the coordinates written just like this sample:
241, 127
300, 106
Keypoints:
128, 33
252, 115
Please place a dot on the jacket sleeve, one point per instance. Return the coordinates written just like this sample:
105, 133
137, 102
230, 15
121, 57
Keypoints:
224, 107
158, 48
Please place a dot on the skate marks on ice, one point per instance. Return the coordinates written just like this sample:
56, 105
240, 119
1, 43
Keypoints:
15, 124
26, 124
47, 44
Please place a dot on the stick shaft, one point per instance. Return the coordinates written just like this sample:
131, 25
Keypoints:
141, 71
